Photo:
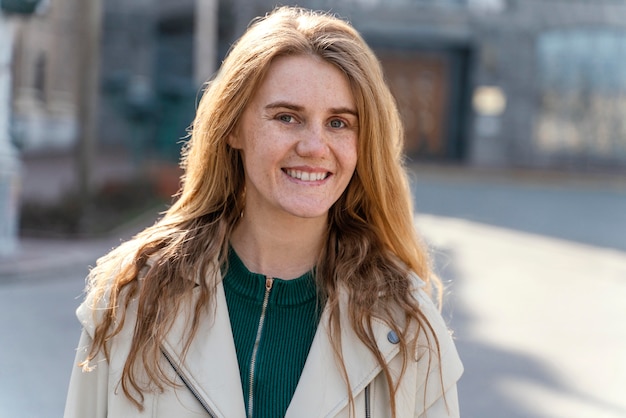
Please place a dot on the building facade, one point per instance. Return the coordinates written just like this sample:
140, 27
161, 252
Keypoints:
530, 83
522, 83
44, 89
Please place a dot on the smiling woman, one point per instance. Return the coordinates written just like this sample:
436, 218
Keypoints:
287, 280
298, 144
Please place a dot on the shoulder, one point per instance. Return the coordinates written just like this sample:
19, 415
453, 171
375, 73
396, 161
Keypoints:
431, 313
427, 306
435, 344
103, 281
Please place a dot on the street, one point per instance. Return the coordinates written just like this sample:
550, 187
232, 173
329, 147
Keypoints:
535, 270
536, 284
39, 335
538, 322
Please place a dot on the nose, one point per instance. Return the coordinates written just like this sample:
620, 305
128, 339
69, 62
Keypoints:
312, 143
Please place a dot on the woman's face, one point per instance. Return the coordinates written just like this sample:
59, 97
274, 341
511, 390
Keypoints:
298, 139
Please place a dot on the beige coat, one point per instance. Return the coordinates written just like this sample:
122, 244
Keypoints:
211, 371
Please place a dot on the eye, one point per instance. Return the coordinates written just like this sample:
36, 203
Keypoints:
337, 124
283, 117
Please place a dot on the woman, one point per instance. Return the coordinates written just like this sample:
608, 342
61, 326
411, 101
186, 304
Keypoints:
287, 279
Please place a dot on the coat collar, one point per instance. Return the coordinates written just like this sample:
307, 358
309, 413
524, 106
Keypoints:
211, 364
321, 390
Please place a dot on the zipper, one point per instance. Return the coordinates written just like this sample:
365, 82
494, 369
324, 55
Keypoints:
368, 412
255, 350
188, 384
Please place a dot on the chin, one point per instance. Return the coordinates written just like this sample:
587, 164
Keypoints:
309, 213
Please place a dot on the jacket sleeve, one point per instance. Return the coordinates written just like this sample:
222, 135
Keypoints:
438, 392
440, 388
447, 406
87, 393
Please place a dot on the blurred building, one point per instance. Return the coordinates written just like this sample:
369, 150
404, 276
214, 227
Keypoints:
529, 83
535, 83
10, 11
44, 73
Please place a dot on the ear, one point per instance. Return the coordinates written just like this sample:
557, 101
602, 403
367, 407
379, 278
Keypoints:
234, 139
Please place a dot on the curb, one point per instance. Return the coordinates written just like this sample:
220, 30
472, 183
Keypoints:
40, 255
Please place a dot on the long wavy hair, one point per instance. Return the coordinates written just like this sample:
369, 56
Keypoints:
371, 243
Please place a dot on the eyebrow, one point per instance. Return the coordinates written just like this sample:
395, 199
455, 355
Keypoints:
298, 108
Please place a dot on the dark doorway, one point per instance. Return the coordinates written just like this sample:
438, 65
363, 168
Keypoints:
430, 87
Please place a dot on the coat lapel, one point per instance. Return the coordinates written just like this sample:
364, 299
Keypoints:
211, 363
321, 390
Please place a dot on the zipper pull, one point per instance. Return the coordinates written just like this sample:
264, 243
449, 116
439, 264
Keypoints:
268, 283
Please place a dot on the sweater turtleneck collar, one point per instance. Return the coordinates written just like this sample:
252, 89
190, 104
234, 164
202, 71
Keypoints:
252, 285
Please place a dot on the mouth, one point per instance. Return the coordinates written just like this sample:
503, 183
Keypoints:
306, 175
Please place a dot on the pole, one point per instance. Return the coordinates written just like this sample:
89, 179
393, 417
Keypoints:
205, 40
88, 75
9, 161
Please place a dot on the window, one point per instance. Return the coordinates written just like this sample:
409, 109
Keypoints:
582, 81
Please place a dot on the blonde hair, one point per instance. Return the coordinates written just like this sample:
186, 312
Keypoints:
371, 245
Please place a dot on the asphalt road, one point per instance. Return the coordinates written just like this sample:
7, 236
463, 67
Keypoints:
538, 321
39, 335
588, 209
535, 269
536, 282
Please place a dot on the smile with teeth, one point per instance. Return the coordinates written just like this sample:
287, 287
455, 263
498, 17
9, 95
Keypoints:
306, 175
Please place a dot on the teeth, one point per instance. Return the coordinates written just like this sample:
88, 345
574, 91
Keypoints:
305, 175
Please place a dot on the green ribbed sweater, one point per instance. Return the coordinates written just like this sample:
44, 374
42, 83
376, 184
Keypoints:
291, 318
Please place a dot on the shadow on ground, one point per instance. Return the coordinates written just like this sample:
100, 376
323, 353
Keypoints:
484, 389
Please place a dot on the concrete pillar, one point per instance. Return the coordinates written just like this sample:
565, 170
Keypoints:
205, 40
88, 79
9, 162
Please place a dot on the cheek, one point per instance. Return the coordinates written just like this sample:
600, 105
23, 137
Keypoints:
349, 154
259, 158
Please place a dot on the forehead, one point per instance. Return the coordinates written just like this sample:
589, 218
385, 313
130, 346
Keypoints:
305, 79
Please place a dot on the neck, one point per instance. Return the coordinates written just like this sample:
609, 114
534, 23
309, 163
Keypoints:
284, 250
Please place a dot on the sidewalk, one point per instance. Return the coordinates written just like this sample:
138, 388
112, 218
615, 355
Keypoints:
36, 256
538, 321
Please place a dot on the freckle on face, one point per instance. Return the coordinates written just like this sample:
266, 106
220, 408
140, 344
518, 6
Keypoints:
285, 146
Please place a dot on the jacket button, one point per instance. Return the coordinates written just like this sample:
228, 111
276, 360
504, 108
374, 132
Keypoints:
392, 337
